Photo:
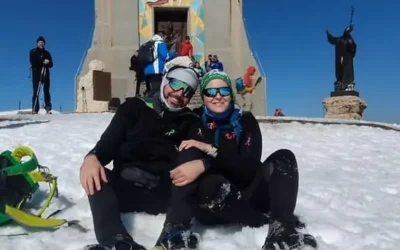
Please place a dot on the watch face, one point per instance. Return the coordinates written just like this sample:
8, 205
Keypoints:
213, 152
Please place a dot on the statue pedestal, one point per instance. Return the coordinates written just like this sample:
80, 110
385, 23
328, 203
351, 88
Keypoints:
349, 107
345, 93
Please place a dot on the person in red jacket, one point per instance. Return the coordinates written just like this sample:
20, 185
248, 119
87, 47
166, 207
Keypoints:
186, 48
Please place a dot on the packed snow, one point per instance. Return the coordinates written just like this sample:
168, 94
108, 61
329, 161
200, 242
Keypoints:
394, 126
349, 185
15, 112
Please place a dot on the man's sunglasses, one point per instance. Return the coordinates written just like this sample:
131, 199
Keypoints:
177, 85
212, 92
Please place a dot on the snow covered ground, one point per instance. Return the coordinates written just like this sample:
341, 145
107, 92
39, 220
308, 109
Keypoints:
328, 121
14, 112
349, 185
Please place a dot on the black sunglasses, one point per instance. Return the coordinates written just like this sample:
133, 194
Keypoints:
213, 92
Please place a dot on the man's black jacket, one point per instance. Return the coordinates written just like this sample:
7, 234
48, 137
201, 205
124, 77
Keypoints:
37, 57
142, 134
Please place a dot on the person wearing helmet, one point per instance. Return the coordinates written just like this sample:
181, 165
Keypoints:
141, 140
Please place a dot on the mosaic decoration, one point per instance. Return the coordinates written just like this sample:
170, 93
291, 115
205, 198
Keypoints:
196, 8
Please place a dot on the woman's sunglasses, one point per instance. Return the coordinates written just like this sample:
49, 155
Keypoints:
212, 92
177, 85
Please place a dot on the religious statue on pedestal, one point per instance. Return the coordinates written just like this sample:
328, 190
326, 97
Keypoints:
345, 51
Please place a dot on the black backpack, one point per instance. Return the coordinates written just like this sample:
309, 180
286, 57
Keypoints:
134, 63
146, 54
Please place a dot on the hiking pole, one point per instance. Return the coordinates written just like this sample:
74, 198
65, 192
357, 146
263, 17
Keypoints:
38, 90
43, 74
84, 99
37, 98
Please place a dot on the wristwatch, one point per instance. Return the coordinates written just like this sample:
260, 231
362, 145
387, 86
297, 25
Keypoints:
213, 152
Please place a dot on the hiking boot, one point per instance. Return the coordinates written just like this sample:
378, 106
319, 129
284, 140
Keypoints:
282, 237
177, 237
121, 242
298, 224
48, 111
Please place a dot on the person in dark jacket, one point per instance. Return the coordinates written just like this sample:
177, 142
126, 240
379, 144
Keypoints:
216, 64
208, 63
41, 63
141, 140
232, 185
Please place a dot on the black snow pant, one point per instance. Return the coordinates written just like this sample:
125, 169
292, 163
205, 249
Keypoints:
37, 79
121, 196
213, 199
154, 81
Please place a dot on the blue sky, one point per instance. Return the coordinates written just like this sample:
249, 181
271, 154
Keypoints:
288, 36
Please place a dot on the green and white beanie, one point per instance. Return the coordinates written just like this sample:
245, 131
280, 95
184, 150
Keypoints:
214, 75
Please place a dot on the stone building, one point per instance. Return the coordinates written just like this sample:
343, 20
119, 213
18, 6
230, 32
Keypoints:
215, 27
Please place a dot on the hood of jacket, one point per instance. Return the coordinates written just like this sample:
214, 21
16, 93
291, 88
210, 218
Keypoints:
157, 38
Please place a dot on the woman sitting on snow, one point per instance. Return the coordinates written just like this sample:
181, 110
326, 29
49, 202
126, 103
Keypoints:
233, 185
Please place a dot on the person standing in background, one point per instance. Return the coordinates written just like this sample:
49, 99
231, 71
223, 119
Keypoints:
41, 62
154, 71
216, 64
186, 48
208, 63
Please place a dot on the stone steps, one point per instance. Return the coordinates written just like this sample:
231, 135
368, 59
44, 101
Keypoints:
196, 100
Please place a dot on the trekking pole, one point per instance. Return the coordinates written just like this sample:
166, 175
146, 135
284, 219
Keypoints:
37, 97
38, 90
84, 99
44, 72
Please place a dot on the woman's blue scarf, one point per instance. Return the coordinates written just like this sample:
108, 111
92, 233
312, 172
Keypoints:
231, 120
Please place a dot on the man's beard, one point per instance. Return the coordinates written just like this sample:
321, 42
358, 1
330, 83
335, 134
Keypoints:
175, 100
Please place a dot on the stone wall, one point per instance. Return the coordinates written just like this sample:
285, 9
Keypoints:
216, 26
85, 102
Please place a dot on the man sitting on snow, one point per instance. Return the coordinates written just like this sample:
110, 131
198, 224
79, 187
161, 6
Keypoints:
142, 141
